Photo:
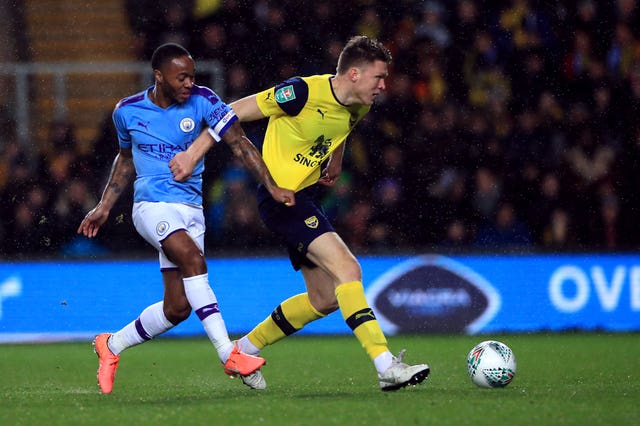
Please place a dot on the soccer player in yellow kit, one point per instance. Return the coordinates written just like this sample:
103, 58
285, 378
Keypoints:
309, 121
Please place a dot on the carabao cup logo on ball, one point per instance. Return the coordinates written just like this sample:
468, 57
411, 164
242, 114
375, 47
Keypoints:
491, 364
433, 294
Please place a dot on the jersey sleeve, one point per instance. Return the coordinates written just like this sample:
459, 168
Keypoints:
217, 130
120, 122
219, 116
288, 97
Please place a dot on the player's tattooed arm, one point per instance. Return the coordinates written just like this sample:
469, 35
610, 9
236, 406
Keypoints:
120, 176
183, 163
122, 171
244, 149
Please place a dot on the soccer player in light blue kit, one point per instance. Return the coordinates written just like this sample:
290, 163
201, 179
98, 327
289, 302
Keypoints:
152, 127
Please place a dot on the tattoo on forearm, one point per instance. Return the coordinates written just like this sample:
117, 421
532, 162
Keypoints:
115, 187
252, 159
121, 173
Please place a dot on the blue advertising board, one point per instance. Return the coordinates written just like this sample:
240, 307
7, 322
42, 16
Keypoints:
43, 301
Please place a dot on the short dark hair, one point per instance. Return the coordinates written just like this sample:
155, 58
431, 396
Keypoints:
361, 49
166, 53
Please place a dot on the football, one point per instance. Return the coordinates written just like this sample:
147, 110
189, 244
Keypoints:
491, 364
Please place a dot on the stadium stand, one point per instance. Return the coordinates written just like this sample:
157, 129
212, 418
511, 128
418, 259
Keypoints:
504, 128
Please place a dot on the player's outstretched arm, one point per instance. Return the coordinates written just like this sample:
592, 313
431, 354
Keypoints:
244, 149
122, 171
183, 163
247, 109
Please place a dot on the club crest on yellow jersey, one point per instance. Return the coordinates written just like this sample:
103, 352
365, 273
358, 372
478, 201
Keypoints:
311, 222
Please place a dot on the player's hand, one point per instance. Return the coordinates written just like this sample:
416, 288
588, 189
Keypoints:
326, 181
181, 166
329, 177
93, 221
285, 196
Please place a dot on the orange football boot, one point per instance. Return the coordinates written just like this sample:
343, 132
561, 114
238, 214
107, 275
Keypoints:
242, 364
108, 362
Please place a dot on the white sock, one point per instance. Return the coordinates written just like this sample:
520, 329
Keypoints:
383, 361
245, 345
148, 325
205, 305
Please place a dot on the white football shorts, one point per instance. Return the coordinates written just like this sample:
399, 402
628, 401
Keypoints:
156, 221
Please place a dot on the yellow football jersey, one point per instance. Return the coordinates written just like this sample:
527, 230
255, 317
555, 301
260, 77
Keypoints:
306, 124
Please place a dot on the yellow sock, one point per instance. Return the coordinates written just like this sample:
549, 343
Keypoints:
287, 318
360, 318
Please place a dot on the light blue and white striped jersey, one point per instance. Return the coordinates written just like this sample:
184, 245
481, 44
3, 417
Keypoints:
155, 135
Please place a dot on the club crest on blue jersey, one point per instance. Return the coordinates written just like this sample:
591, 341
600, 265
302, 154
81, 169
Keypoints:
162, 228
187, 124
285, 94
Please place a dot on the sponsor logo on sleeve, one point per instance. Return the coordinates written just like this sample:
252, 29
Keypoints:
285, 94
227, 117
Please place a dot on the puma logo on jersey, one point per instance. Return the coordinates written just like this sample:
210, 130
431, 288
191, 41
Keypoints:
319, 111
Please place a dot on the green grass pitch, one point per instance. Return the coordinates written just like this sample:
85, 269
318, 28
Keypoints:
562, 379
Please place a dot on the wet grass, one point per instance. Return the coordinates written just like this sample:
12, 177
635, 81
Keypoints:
567, 379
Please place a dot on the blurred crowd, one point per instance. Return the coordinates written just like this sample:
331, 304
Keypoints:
505, 127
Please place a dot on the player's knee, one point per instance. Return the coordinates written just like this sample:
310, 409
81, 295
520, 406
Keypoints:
325, 305
187, 256
195, 266
351, 271
192, 264
176, 313
328, 308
